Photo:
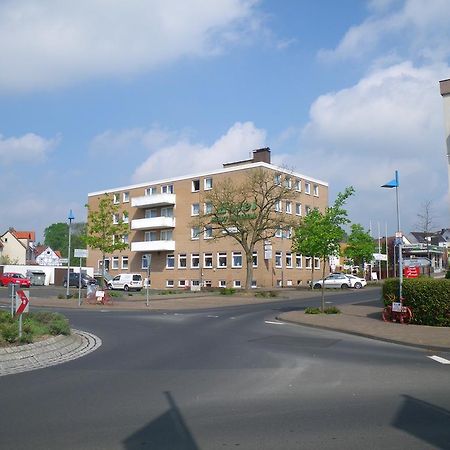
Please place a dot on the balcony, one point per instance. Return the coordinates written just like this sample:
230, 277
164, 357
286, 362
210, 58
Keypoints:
153, 246
147, 201
153, 223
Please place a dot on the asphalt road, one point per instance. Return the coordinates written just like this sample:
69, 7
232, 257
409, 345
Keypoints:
228, 378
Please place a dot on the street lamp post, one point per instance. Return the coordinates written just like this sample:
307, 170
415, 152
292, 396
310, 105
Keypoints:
428, 239
70, 218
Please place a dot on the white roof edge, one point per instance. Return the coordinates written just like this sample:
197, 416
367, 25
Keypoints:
214, 172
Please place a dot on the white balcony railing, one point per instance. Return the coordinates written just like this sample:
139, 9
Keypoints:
153, 246
153, 223
153, 200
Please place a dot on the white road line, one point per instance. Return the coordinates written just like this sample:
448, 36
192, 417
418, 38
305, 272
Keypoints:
439, 359
213, 316
274, 323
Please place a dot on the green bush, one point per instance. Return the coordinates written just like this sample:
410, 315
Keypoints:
227, 291
312, 310
59, 326
332, 310
428, 298
10, 332
447, 275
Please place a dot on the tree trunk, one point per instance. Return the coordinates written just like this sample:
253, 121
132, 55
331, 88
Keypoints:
249, 274
323, 285
102, 280
312, 273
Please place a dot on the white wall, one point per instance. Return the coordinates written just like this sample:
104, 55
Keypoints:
49, 270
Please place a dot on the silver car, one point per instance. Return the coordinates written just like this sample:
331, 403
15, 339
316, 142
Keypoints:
334, 280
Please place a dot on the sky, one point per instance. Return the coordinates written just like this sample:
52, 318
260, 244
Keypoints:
98, 94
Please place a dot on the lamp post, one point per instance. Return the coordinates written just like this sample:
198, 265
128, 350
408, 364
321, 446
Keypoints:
70, 218
398, 235
428, 239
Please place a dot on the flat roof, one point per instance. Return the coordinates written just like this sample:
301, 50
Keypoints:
215, 172
445, 86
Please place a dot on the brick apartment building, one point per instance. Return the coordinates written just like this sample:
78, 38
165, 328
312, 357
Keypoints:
161, 215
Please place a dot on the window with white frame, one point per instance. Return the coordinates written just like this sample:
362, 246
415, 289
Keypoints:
288, 232
167, 189
236, 260
278, 261
237, 284
278, 206
195, 185
307, 188
150, 236
170, 261
195, 282
207, 283
289, 283
208, 208
307, 209
125, 197
125, 262
125, 217
144, 262
288, 182
255, 259
298, 209
298, 261
169, 283
288, 207
195, 232
279, 233
115, 262
182, 261
222, 284
208, 184
254, 285
308, 262
289, 260
116, 199
195, 209
279, 283
316, 263
195, 261
277, 179
298, 185
207, 260
167, 211
166, 235
125, 238
151, 191
150, 213
181, 283
116, 218
316, 190
221, 260
208, 233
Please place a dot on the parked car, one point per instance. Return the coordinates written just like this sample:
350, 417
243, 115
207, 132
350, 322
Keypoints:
14, 278
126, 281
334, 280
74, 279
356, 282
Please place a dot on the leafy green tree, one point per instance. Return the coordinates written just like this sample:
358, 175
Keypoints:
246, 212
102, 233
319, 234
360, 245
56, 236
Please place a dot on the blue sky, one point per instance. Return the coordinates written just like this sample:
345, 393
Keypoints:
97, 94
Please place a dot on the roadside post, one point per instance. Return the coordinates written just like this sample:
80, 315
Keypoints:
22, 305
149, 262
80, 253
12, 294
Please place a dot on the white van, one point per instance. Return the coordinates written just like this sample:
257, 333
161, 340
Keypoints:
126, 281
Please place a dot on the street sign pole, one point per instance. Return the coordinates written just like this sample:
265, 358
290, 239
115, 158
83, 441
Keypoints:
22, 304
80, 253
149, 261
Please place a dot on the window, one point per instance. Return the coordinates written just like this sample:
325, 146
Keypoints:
288, 182
288, 207
279, 283
182, 261
150, 236
208, 184
255, 259
236, 260
195, 282
170, 261
298, 261
167, 212
195, 185
116, 199
208, 234
169, 283
298, 185
288, 233
195, 209
254, 285
279, 233
307, 188
125, 262
195, 261
167, 189
151, 191
125, 238
166, 235
278, 206
115, 262
289, 283
221, 260
125, 217
316, 190
298, 209
208, 208
278, 262
277, 179
222, 284
144, 262
150, 213
307, 209
308, 262
208, 260
316, 263
207, 283
182, 283
195, 232
115, 218
125, 197
237, 283
289, 260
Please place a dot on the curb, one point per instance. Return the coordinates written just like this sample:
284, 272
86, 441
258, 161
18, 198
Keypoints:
53, 351
367, 335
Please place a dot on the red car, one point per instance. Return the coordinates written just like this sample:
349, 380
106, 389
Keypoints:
14, 278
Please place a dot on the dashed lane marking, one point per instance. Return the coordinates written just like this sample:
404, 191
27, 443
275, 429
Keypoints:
212, 316
274, 323
439, 359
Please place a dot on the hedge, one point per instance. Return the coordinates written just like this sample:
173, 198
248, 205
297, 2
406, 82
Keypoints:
428, 298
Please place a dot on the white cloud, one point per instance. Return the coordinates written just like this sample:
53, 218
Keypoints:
29, 148
50, 43
182, 156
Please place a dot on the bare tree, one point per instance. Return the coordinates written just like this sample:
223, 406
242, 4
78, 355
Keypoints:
425, 218
248, 212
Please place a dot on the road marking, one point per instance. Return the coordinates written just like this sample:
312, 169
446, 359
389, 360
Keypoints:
439, 359
212, 316
274, 323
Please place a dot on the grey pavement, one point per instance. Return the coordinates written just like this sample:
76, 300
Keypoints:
359, 319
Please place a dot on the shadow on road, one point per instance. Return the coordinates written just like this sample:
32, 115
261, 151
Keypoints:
425, 421
168, 431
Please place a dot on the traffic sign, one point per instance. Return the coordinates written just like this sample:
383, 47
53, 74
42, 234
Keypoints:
22, 302
80, 253
411, 272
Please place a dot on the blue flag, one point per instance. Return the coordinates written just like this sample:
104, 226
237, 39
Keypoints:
393, 183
